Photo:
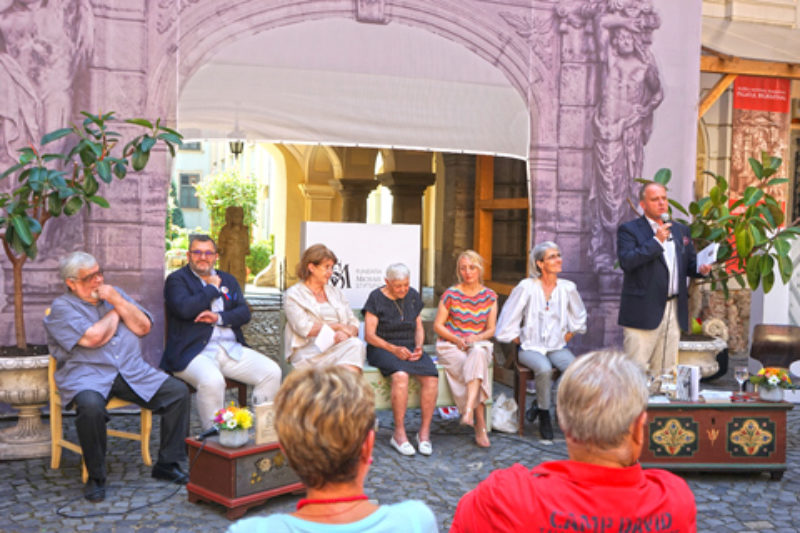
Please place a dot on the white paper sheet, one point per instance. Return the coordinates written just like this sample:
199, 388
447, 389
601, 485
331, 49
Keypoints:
324, 339
708, 255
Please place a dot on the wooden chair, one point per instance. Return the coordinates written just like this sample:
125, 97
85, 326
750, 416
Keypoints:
57, 430
522, 374
776, 344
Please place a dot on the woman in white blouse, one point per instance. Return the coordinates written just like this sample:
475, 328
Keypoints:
541, 315
321, 329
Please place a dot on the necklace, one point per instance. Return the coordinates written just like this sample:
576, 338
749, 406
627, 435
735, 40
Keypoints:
323, 501
399, 309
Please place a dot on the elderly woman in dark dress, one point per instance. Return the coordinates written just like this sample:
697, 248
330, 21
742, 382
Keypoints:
394, 334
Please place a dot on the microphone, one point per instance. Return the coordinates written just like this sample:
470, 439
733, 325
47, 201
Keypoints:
207, 433
666, 220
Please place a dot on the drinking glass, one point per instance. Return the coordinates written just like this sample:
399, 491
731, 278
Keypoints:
741, 373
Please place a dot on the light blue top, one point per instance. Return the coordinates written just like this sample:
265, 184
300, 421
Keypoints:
405, 517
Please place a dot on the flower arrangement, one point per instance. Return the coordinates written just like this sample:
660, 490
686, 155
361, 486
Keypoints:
232, 418
771, 377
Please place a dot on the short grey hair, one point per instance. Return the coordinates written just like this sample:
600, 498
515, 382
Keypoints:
72, 263
397, 271
600, 395
648, 184
537, 254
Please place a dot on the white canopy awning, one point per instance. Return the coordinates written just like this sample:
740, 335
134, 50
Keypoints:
340, 82
748, 40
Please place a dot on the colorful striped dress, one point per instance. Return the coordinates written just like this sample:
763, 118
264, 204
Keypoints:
468, 315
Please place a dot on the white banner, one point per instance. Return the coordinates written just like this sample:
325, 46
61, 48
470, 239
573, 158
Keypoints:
364, 251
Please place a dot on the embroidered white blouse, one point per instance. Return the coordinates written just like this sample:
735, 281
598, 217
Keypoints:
541, 324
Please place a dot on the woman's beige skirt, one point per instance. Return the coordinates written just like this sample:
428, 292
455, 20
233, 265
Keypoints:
462, 367
351, 352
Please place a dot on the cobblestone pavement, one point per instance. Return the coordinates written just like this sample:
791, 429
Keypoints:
32, 495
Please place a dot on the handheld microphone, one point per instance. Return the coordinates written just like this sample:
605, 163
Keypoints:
666, 220
207, 433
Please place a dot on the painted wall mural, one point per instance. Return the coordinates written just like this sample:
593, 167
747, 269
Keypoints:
606, 82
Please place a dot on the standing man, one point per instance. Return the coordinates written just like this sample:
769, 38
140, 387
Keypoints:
93, 332
656, 257
206, 310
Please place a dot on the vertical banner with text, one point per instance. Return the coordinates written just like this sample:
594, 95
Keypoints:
760, 124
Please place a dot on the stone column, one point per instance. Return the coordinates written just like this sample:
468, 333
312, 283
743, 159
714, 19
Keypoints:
457, 194
407, 190
317, 201
354, 193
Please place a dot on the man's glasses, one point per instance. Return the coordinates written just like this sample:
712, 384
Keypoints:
91, 277
208, 254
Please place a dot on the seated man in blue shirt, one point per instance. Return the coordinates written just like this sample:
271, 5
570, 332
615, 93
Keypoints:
93, 332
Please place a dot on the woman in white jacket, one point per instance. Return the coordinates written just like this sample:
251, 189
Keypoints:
320, 326
541, 315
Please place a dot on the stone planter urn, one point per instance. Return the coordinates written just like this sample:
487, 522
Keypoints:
702, 350
23, 384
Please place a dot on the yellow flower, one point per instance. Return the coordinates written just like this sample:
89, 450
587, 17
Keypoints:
244, 418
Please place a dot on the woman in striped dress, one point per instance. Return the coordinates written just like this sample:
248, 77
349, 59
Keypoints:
465, 324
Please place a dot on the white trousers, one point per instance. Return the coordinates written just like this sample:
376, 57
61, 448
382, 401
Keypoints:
656, 350
208, 375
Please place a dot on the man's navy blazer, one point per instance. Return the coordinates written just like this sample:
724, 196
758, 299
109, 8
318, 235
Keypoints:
644, 284
185, 298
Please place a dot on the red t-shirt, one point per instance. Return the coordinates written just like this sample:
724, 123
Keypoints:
570, 496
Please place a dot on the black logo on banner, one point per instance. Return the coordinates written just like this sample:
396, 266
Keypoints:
341, 276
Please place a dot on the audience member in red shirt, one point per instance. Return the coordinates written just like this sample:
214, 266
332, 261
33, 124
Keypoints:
602, 410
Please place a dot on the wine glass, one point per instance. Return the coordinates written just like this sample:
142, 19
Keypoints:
741, 373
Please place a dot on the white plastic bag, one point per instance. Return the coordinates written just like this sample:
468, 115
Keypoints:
504, 414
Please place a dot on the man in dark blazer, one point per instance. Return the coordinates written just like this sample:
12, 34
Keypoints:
205, 311
656, 256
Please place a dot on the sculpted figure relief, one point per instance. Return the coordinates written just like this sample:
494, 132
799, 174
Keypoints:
44, 43
629, 90
234, 244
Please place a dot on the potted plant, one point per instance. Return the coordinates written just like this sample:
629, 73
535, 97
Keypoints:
751, 231
49, 184
233, 424
52, 184
771, 382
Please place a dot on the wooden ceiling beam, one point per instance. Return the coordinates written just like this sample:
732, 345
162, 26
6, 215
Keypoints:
749, 67
713, 95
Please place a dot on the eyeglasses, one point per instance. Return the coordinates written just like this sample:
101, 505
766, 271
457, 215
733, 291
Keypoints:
208, 254
90, 277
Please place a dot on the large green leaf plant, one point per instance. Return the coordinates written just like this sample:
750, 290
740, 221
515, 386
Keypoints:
751, 231
65, 181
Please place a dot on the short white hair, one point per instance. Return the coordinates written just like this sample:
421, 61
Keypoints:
600, 395
397, 271
72, 263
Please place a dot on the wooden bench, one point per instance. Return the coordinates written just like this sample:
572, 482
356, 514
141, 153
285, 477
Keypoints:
383, 391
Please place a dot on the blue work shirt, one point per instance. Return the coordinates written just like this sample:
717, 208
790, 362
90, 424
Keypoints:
80, 368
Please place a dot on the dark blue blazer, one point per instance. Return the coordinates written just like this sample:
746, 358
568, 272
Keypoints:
644, 285
185, 298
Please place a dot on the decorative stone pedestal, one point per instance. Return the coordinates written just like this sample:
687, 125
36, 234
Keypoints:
701, 351
23, 384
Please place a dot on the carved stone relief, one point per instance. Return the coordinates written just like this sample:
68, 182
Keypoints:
371, 11
628, 90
